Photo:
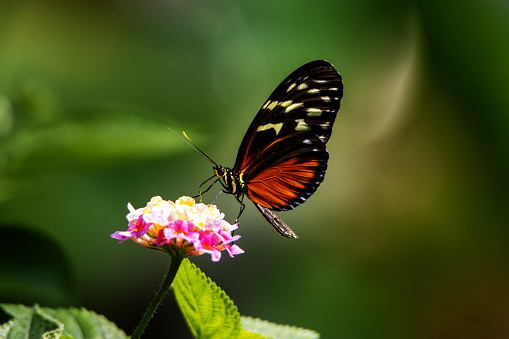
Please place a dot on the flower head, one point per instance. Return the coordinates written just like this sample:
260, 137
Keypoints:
181, 228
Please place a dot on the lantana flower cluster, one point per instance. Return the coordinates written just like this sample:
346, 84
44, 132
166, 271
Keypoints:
182, 228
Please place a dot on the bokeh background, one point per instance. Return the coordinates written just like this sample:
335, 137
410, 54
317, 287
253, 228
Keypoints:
406, 238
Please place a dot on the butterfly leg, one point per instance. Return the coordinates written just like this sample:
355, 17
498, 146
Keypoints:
242, 206
206, 181
217, 196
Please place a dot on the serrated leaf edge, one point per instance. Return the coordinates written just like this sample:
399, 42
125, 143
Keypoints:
257, 320
229, 304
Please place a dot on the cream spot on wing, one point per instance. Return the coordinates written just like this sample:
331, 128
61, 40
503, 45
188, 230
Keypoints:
314, 112
276, 127
313, 91
291, 87
273, 104
325, 125
302, 126
302, 86
293, 106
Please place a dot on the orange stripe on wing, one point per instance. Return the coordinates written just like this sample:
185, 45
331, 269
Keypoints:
286, 184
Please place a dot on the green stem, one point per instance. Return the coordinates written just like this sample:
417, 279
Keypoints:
165, 286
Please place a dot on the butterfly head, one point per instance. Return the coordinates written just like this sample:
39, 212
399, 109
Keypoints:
220, 170
230, 181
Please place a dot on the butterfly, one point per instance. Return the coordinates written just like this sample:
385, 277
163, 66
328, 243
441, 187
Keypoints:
282, 159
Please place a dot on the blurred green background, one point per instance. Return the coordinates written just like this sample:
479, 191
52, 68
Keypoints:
408, 235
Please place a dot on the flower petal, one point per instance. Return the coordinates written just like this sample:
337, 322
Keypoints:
184, 226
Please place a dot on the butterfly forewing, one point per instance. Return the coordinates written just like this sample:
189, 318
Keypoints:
306, 101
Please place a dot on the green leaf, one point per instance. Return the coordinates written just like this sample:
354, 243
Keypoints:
250, 335
41, 322
89, 139
208, 311
276, 331
29, 322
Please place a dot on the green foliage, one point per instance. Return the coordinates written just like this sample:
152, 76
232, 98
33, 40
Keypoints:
273, 330
41, 322
207, 309
39, 136
88, 139
29, 323
210, 313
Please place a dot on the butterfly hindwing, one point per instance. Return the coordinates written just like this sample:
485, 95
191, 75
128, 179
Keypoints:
286, 172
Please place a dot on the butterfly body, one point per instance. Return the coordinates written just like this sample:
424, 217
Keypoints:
282, 159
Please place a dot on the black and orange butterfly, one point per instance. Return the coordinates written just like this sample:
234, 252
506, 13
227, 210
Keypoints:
282, 159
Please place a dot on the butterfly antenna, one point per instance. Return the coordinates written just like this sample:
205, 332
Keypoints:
191, 144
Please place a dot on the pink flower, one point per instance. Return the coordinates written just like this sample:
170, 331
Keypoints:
180, 228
